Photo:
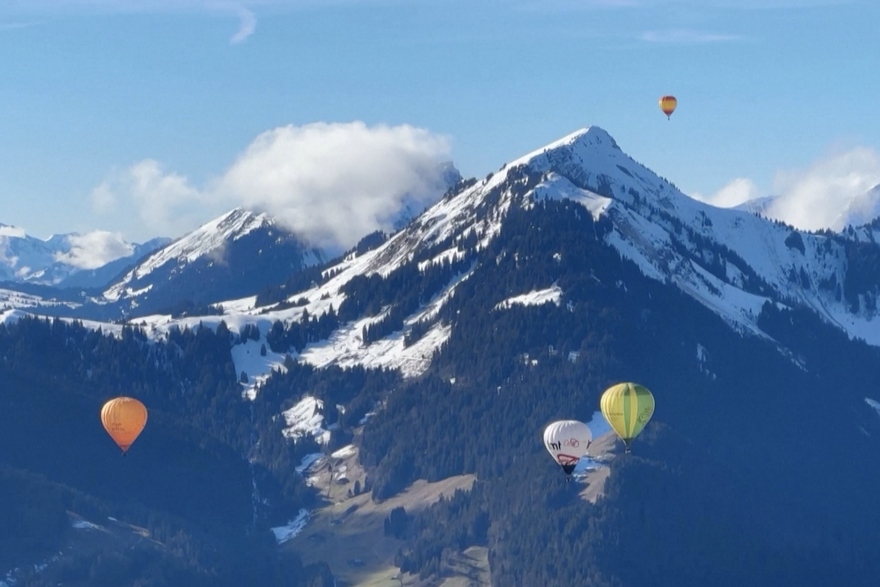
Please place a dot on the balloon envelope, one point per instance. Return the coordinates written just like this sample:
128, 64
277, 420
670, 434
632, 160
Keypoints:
627, 407
567, 441
668, 104
124, 418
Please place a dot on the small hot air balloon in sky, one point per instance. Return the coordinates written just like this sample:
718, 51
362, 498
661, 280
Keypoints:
667, 105
627, 407
124, 418
567, 441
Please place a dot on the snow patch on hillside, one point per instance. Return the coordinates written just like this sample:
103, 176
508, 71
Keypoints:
247, 359
241, 305
12, 316
345, 348
294, 527
449, 255
81, 524
558, 187
874, 404
16, 299
533, 298
306, 418
345, 451
307, 461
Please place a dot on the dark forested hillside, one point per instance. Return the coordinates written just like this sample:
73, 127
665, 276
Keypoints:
186, 481
756, 469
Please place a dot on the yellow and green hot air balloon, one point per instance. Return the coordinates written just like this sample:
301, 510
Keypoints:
627, 407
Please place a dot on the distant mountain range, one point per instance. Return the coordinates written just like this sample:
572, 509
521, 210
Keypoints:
67, 260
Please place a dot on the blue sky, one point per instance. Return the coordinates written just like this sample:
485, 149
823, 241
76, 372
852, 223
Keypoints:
148, 117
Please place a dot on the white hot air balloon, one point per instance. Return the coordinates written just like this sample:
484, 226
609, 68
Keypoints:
567, 441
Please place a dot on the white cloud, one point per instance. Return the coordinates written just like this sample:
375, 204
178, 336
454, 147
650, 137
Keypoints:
239, 8
571, 4
331, 183
13, 26
334, 183
733, 194
840, 189
164, 202
247, 27
103, 199
158, 193
831, 193
94, 249
686, 36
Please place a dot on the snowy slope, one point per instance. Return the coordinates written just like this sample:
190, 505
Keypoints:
533, 298
233, 256
306, 418
757, 205
10, 299
208, 239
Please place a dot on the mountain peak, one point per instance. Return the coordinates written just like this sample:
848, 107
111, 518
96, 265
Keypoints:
587, 138
592, 135
238, 219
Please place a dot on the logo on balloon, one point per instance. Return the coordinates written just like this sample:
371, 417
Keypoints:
574, 442
644, 416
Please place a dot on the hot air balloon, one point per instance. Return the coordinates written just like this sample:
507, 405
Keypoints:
124, 418
567, 441
667, 105
627, 407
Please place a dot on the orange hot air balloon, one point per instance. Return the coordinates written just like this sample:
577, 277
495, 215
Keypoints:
124, 418
667, 105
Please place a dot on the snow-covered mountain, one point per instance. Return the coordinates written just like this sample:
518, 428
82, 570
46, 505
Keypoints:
234, 255
730, 260
67, 260
757, 205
